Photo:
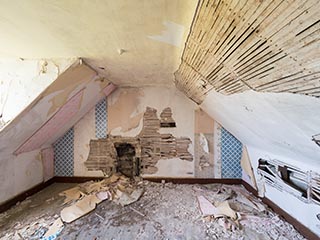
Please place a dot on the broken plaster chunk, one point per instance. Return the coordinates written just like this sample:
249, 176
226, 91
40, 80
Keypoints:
54, 230
126, 199
206, 207
71, 194
103, 195
80, 208
222, 209
225, 209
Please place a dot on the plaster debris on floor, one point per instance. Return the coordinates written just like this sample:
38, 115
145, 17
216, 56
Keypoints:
121, 208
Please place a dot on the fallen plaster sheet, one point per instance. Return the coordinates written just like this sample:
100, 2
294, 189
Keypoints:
80, 208
248, 199
60, 118
222, 209
87, 195
71, 194
126, 199
206, 207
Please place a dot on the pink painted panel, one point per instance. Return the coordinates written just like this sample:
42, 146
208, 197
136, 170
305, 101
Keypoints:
48, 163
47, 130
109, 89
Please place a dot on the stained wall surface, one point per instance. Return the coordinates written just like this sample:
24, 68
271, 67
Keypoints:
126, 107
131, 42
21, 81
21, 171
137, 113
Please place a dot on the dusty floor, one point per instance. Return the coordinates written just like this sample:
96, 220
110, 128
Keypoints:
165, 211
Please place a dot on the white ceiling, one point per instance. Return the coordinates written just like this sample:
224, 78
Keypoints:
151, 33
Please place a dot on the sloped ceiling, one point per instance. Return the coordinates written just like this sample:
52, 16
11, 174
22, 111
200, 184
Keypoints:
131, 43
77, 79
239, 45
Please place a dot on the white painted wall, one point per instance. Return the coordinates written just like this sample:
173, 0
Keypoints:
21, 81
279, 123
274, 126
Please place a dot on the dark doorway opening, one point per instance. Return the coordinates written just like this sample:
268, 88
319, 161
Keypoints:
127, 163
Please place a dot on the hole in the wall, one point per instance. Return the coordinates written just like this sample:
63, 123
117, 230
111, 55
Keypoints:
166, 120
318, 216
127, 163
167, 125
145, 151
289, 176
305, 185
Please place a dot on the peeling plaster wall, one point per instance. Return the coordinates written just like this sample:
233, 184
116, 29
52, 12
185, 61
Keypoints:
84, 131
274, 126
21, 81
204, 145
19, 173
125, 112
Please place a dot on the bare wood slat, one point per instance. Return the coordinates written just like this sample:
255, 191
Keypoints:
237, 45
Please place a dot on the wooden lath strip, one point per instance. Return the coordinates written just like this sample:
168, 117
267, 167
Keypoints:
244, 44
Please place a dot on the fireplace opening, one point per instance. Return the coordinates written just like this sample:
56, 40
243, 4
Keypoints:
127, 162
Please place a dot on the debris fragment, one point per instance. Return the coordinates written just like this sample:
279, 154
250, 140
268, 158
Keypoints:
206, 207
103, 195
225, 210
38, 233
99, 216
80, 208
117, 188
71, 194
54, 230
135, 210
126, 199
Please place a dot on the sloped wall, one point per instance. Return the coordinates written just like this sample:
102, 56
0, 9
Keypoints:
24, 170
22, 80
274, 126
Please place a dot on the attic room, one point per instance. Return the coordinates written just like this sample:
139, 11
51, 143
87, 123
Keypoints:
158, 119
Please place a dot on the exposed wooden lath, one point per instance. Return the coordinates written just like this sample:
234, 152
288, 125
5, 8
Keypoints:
266, 45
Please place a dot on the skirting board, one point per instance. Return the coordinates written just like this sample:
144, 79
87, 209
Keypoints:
299, 226
195, 180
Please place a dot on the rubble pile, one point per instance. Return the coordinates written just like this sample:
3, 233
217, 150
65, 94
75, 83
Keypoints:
79, 201
121, 208
234, 213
